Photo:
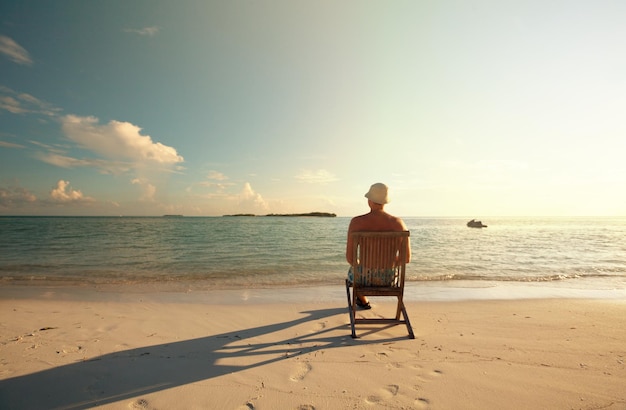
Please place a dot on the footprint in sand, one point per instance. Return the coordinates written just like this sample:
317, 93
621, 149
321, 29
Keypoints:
427, 377
304, 368
140, 404
392, 389
382, 356
386, 393
319, 326
247, 406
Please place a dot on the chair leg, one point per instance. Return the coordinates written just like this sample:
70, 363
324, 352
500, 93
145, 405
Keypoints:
407, 322
399, 308
351, 309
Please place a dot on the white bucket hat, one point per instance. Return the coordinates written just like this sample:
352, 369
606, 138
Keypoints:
378, 193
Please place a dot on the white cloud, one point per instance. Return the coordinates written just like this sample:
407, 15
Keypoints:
13, 197
149, 192
244, 201
216, 180
148, 189
14, 51
218, 185
118, 140
63, 193
120, 143
218, 176
105, 167
63, 161
49, 147
5, 144
250, 201
23, 103
11, 105
146, 31
321, 176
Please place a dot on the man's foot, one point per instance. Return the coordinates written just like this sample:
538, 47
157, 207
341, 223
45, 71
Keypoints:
363, 305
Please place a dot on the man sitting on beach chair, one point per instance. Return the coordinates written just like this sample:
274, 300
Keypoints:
377, 220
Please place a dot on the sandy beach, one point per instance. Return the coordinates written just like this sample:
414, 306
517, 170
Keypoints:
84, 348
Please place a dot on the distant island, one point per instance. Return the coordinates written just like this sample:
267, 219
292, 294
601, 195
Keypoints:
321, 214
314, 214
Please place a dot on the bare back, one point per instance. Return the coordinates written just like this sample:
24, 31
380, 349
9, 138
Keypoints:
377, 220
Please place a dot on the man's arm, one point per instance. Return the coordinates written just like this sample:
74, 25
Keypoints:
408, 250
408, 241
349, 243
349, 249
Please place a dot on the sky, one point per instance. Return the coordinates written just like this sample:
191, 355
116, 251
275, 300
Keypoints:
469, 109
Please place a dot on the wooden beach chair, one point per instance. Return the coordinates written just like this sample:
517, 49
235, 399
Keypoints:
378, 269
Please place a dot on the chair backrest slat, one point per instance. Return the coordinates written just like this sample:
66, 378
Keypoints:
379, 258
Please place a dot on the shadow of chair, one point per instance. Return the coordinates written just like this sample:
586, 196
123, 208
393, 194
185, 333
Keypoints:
125, 374
379, 269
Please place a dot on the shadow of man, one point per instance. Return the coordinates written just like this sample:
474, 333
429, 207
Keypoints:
126, 374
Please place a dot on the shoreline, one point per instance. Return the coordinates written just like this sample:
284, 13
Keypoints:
198, 292
79, 348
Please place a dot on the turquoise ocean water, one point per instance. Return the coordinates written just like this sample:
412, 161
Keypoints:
261, 252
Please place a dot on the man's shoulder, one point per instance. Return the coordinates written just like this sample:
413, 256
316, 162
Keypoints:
358, 222
377, 222
360, 217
